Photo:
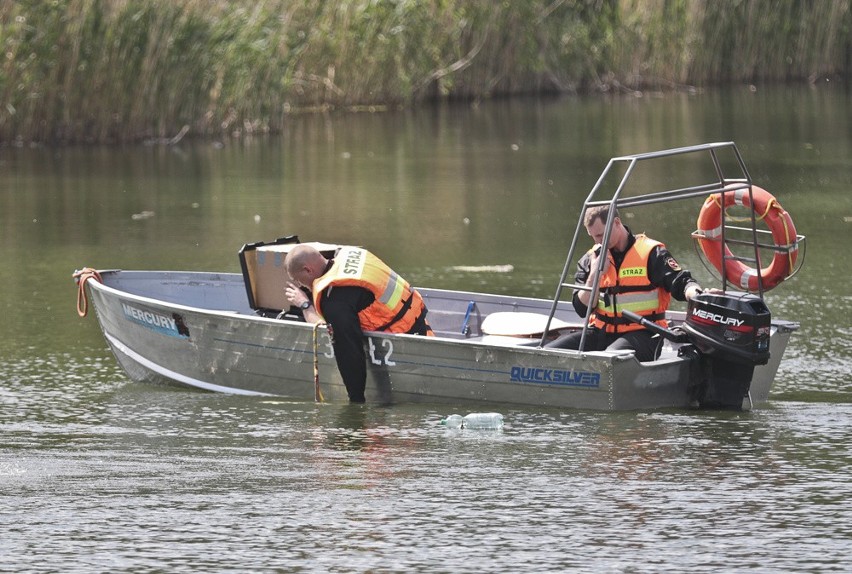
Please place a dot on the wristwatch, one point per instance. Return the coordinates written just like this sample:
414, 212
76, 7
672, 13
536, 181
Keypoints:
305, 305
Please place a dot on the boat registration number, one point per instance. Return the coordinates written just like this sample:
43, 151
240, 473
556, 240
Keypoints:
379, 354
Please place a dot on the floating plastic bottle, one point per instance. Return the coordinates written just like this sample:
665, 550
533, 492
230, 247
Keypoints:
453, 421
483, 421
474, 421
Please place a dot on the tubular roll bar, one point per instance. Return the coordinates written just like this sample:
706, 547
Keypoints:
721, 184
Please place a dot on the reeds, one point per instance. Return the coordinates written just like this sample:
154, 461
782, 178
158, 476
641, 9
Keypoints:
128, 70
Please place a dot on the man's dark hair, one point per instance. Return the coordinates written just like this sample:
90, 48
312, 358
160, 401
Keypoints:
598, 212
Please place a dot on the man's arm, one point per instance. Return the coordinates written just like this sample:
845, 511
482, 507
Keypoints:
298, 297
665, 271
580, 298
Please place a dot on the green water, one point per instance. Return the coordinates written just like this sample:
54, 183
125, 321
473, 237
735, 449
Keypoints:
97, 470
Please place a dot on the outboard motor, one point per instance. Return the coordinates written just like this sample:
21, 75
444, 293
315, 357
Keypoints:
731, 332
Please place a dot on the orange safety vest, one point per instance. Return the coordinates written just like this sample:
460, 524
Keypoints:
630, 289
396, 306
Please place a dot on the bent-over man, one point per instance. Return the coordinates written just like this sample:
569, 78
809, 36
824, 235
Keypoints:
353, 292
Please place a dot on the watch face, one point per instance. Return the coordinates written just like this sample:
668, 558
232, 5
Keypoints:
305, 305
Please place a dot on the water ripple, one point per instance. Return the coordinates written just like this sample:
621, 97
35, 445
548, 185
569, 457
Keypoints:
105, 475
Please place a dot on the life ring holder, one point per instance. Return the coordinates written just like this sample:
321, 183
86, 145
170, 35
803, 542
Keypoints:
785, 241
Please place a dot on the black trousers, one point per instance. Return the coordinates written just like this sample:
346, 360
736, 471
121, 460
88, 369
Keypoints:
646, 344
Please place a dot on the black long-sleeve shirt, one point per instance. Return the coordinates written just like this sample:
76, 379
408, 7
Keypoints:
663, 271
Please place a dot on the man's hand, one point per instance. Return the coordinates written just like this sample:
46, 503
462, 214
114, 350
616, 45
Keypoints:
295, 295
691, 291
586, 296
593, 266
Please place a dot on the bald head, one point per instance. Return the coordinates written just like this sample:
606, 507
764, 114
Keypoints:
304, 264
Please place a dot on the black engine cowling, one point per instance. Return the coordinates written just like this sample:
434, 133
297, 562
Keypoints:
731, 332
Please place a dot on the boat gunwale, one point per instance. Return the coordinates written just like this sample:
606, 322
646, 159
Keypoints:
611, 356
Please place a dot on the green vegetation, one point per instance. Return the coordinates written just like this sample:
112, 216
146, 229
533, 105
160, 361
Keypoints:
126, 70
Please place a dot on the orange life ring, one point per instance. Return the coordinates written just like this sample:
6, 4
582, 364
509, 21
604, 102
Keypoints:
766, 208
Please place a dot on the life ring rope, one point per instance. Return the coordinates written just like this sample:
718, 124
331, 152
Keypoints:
757, 217
789, 247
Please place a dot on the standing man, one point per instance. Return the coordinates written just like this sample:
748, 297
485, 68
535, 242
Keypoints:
353, 292
639, 275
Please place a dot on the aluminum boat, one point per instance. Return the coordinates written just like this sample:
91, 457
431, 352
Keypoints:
234, 333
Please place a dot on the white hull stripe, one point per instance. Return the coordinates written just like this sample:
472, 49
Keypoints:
169, 374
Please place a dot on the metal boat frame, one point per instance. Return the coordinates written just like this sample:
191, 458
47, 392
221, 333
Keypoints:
722, 185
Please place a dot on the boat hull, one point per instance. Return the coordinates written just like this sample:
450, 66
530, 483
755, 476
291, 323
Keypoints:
217, 343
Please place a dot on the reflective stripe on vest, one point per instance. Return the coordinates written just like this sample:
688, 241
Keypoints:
396, 306
631, 291
638, 302
394, 290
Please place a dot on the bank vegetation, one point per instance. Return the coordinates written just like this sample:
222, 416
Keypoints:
131, 70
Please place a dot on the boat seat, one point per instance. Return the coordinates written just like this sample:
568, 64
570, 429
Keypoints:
521, 324
507, 340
